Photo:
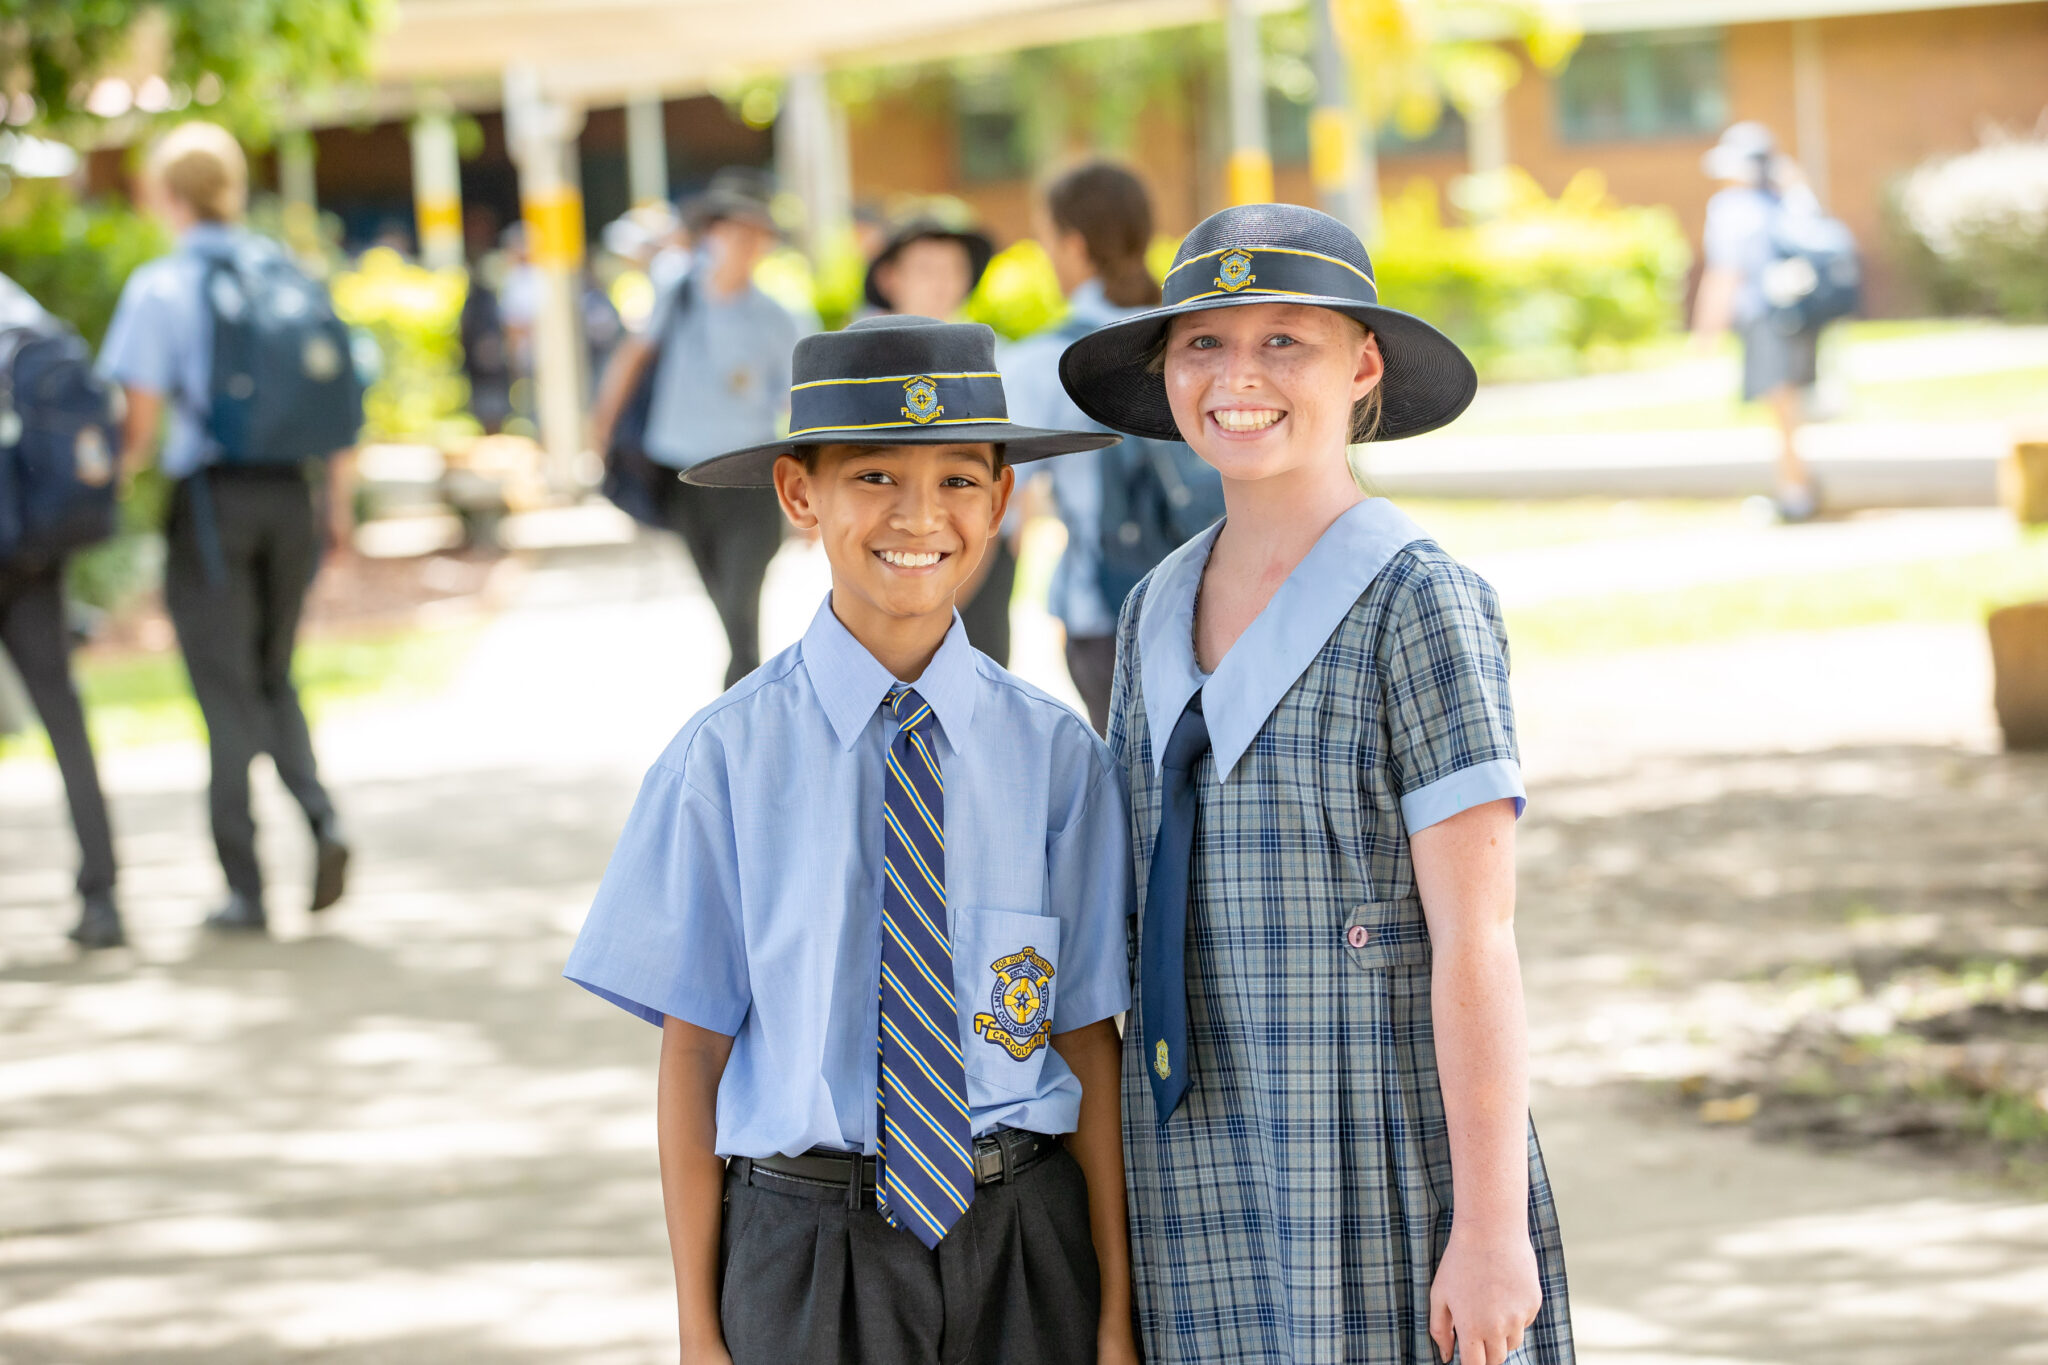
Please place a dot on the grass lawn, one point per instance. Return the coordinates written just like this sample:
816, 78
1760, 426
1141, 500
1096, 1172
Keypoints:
136, 699
1963, 589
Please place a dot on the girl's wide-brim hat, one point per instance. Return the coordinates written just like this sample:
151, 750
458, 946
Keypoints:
1269, 253
893, 381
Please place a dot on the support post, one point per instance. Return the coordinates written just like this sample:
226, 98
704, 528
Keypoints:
1333, 150
1810, 105
295, 186
541, 133
812, 160
1486, 136
1250, 172
646, 150
437, 190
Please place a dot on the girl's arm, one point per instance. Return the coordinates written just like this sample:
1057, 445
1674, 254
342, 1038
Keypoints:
693, 1180
1486, 1290
1095, 1055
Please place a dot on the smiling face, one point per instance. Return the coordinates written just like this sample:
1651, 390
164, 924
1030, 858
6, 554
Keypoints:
1267, 388
903, 526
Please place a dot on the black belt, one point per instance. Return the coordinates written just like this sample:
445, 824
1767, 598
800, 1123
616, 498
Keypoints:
826, 1173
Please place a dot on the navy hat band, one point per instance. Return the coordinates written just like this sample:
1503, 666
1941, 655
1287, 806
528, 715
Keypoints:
897, 401
1238, 271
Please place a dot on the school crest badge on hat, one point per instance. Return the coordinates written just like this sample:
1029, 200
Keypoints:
1234, 271
921, 395
1020, 1017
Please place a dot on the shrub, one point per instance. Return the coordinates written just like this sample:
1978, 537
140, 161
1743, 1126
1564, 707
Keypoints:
73, 257
1981, 219
1534, 285
414, 314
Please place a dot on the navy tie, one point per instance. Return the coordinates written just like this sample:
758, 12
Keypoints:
1162, 974
927, 1167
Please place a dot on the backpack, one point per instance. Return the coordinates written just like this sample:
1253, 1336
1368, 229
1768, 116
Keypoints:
59, 446
633, 481
1815, 275
1156, 496
284, 387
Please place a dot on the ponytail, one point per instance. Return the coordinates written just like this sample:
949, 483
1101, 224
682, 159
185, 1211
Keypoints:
1108, 206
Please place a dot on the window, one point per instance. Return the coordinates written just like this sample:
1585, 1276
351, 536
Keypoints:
1622, 86
991, 142
1287, 131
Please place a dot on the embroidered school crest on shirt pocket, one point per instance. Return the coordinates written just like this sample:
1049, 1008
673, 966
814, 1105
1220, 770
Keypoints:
1020, 1017
1234, 271
921, 397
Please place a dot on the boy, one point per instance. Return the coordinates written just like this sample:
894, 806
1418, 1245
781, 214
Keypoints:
875, 896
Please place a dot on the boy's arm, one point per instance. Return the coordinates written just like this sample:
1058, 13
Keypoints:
693, 1180
1095, 1055
1487, 1289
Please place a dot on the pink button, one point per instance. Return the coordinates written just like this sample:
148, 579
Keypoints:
1357, 936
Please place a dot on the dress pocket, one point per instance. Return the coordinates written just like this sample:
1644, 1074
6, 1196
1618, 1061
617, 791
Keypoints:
1004, 969
1380, 935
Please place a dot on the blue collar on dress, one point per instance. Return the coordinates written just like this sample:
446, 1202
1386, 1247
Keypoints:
851, 683
1278, 646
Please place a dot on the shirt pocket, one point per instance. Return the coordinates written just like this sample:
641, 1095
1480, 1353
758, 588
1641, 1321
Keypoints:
1385, 935
1005, 967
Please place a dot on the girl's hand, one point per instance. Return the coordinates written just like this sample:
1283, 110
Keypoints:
1116, 1344
1485, 1294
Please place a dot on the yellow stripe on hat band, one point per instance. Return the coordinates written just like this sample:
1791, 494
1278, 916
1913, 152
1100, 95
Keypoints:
921, 426
1278, 250
898, 378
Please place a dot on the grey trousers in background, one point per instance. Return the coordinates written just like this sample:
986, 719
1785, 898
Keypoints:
237, 624
809, 1281
1091, 663
987, 614
731, 534
32, 629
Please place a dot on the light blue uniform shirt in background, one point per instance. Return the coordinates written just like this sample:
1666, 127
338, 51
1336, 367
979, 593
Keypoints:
1737, 237
722, 378
1031, 380
1280, 644
745, 895
161, 340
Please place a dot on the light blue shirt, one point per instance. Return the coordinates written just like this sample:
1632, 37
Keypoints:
1280, 644
161, 341
745, 895
1031, 380
1737, 237
722, 378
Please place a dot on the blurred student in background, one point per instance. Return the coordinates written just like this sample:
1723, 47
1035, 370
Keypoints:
247, 523
34, 634
927, 269
1762, 187
715, 360
1095, 223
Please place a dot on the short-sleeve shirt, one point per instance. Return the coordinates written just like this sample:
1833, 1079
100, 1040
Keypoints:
161, 341
722, 376
1737, 237
1031, 379
745, 895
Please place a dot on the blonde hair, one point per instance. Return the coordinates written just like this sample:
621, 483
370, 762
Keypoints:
1366, 413
201, 166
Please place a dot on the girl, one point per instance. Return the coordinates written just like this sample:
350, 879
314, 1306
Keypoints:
1334, 1161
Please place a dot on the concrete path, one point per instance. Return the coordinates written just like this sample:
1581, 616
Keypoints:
394, 1135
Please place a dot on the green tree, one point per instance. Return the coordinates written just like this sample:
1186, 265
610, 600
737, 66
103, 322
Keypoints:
241, 58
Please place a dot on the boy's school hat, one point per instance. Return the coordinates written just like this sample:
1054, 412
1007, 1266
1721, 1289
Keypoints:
980, 251
894, 380
1269, 253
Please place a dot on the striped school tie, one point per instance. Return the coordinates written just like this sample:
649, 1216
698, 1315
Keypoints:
927, 1175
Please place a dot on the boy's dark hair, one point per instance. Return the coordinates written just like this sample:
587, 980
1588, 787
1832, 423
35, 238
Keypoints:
807, 456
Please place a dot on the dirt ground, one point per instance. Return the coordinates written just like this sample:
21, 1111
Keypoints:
395, 1135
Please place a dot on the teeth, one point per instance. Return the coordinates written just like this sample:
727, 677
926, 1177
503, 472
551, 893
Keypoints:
906, 559
1245, 419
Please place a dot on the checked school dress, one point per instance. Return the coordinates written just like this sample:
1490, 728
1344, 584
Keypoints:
1293, 1209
